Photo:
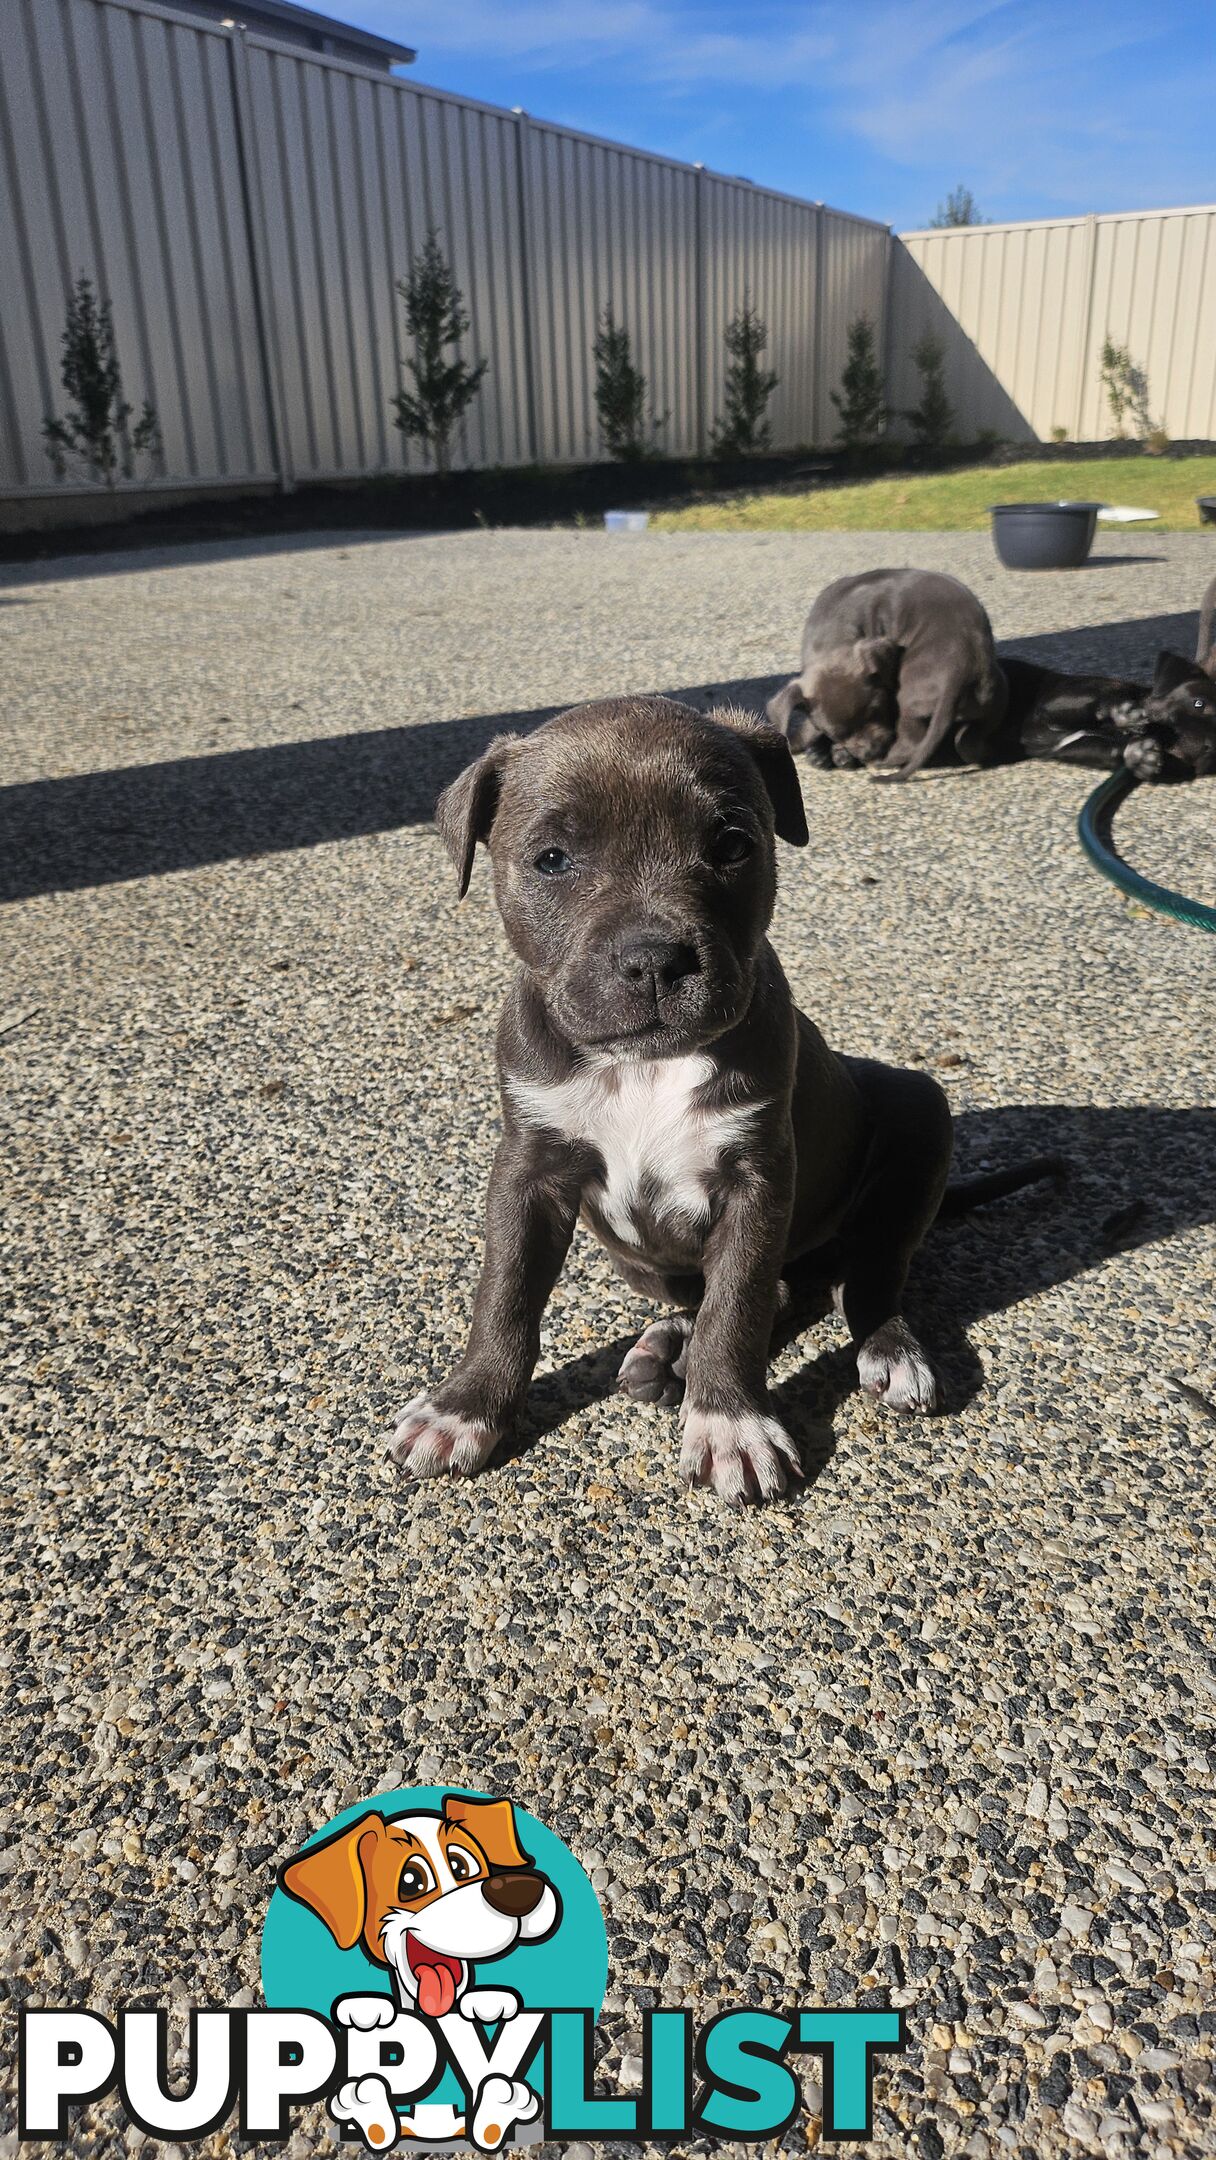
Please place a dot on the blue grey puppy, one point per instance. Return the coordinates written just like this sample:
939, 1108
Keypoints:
894, 664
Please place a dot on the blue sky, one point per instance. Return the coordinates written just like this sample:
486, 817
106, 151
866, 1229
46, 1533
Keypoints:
879, 106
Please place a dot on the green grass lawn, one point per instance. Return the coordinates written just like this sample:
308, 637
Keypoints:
958, 501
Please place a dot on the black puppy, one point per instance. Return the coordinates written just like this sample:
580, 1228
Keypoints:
1166, 732
657, 1078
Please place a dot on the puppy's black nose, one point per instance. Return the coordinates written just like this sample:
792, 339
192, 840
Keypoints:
514, 1894
663, 958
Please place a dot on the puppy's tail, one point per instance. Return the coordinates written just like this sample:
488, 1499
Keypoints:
994, 1184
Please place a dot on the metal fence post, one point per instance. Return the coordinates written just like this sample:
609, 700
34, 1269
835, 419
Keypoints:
527, 296
888, 321
700, 311
818, 402
1089, 279
259, 258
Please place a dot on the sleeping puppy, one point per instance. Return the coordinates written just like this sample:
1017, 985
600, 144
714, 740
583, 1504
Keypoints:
656, 1078
1166, 732
893, 662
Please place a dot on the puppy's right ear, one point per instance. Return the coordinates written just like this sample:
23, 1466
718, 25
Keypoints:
329, 1878
1171, 671
784, 704
465, 811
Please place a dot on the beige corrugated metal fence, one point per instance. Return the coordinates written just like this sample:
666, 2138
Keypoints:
248, 207
1023, 312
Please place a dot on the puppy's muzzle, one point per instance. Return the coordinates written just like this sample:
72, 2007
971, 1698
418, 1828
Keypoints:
652, 958
514, 1895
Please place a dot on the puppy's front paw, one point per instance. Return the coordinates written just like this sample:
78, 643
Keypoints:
653, 1371
1145, 757
1126, 714
367, 2103
501, 2104
430, 1442
489, 2006
745, 1456
365, 2012
892, 1367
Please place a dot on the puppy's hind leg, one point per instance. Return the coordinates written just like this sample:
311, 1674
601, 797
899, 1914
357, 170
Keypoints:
901, 1193
653, 1371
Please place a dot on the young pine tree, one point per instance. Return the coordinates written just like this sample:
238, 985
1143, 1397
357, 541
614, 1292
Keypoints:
931, 420
743, 429
94, 428
863, 414
444, 383
620, 391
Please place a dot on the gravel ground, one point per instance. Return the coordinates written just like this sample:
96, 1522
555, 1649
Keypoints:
937, 1732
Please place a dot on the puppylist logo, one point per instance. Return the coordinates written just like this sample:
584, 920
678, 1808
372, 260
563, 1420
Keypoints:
433, 1963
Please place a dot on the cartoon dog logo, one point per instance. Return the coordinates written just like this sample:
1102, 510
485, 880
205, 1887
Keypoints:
428, 1897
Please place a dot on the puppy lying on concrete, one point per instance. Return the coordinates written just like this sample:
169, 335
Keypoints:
656, 1076
893, 663
1166, 731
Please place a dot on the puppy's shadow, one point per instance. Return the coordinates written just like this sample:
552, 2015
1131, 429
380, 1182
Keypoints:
555, 1396
1135, 1177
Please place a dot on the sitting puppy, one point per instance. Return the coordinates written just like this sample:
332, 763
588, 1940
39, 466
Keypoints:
893, 662
1167, 732
656, 1076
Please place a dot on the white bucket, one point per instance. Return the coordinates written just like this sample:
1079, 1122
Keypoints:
626, 520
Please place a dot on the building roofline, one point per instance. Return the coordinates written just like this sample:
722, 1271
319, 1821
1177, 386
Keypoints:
305, 18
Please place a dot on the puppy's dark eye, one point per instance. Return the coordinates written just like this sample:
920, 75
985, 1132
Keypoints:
1200, 704
416, 1880
731, 845
553, 862
461, 1864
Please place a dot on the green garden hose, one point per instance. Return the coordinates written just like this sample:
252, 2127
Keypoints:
1093, 828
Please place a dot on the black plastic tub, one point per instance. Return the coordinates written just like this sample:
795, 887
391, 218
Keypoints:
1207, 509
1043, 536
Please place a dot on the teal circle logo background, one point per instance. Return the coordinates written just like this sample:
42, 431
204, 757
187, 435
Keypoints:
303, 1968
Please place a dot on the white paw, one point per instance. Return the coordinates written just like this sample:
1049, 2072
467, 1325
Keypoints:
745, 1457
897, 1373
489, 2006
653, 1371
365, 2012
501, 2104
368, 2104
429, 1442
1144, 756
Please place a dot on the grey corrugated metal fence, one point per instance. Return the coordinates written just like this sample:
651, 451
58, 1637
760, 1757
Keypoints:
1023, 312
247, 208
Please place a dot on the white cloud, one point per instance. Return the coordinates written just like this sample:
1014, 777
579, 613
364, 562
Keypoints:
1004, 95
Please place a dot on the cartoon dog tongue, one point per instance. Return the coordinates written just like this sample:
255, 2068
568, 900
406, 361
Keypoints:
437, 1976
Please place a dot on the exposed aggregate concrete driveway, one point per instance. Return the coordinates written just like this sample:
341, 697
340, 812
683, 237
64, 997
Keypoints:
938, 1731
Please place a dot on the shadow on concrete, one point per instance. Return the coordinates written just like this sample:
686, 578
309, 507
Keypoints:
972, 387
1136, 1176
145, 820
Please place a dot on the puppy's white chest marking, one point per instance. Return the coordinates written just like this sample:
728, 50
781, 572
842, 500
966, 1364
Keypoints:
658, 1146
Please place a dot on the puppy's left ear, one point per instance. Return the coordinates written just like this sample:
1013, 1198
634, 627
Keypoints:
330, 1878
775, 764
1172, 668
492, 1823
465, 811
780, 776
